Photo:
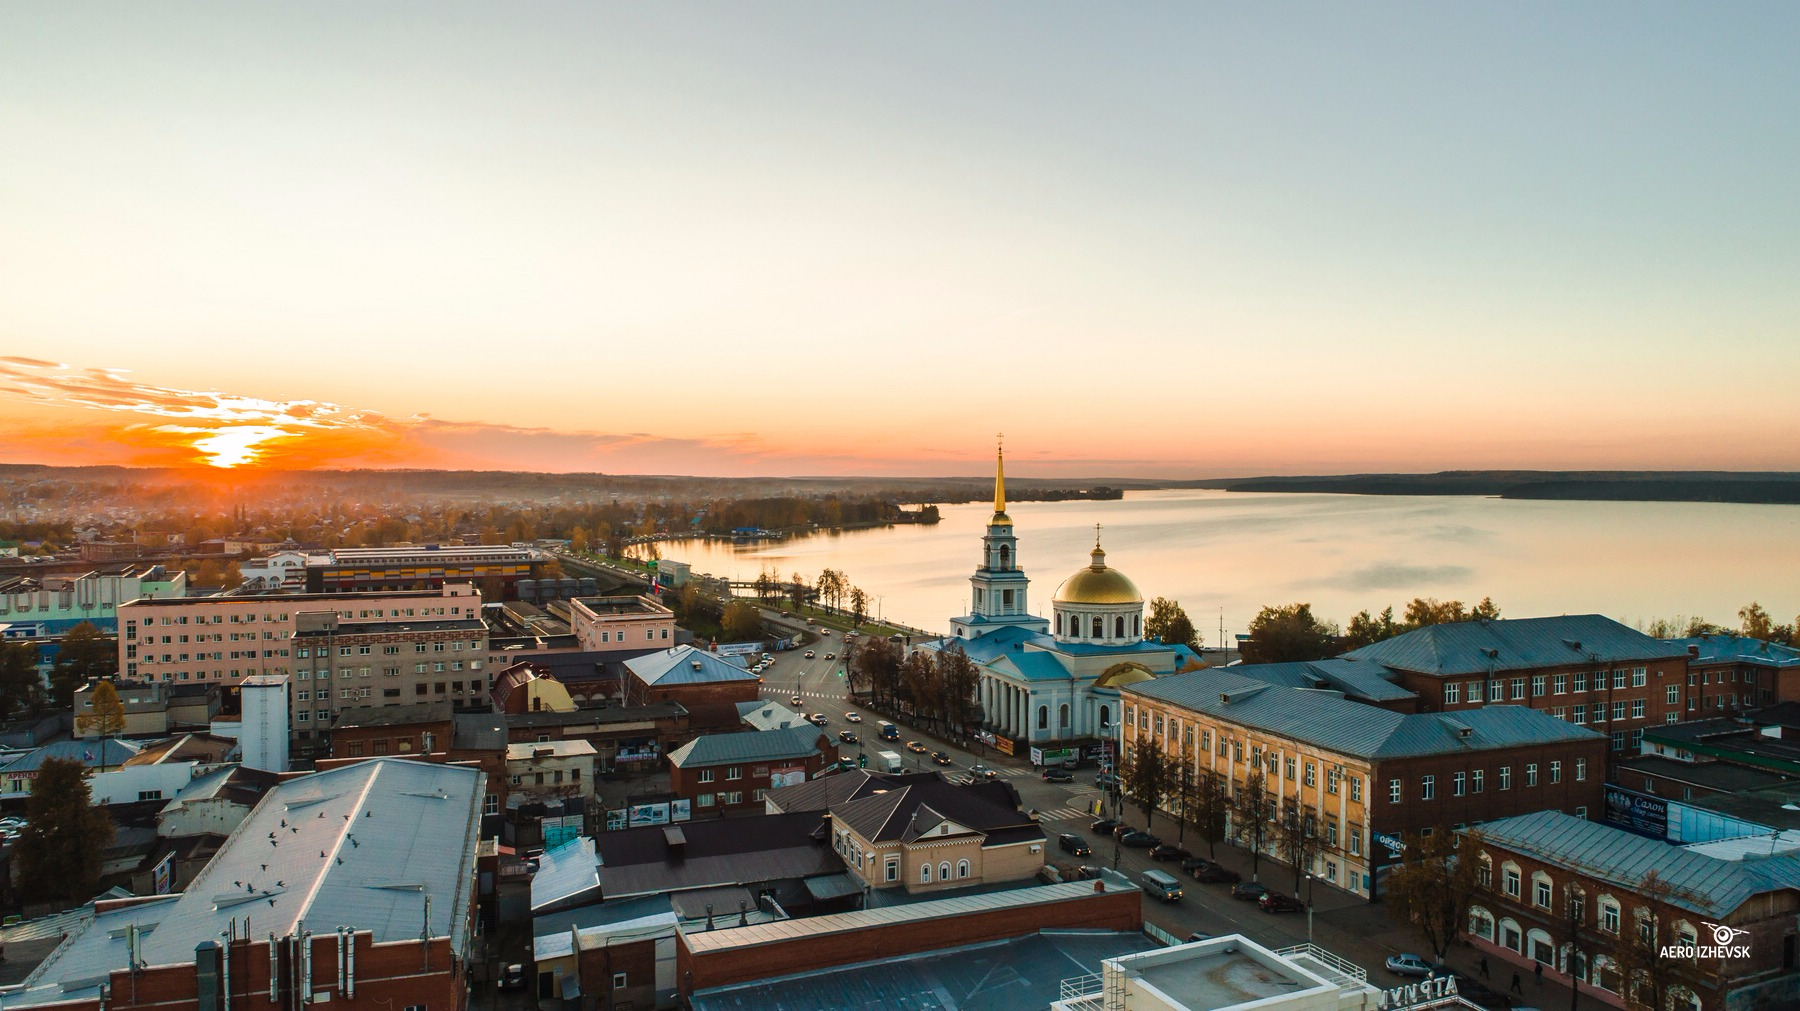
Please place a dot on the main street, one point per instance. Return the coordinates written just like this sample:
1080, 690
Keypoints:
1342, 923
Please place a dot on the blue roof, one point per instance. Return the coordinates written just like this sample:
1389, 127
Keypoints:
1708, 885
1361, 679
677, 666
1033, 665
748, 746
109, 751
1330, 721
1739, 649
1463, 647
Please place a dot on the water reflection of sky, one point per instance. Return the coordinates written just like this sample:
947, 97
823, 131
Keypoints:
1229, 554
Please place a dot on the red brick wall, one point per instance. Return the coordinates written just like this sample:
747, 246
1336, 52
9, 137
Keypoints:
388, 976
1111, 911
1447, 809
344, 739
637, 961
685, 782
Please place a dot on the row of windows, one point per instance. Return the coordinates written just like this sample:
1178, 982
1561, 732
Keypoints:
1462, 784
1513, 689
1097, 626
726, 797
366, 649
1306, 772
649, 633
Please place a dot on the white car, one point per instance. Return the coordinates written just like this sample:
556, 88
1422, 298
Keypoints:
853, 717
1408, 964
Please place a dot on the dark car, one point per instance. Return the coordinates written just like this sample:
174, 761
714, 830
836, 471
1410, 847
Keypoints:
1139, 840
513, 978
1104, 826
1058, 774
1086, 872
1249, 891
1192, 864
1072, 843
1275, 902
942, 758
1167, 852
1213, 874
847, 736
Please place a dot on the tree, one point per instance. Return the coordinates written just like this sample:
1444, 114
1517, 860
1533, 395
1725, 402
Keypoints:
1431, 887
1250, 817
742, 621
60, 846
1146, 778
1647, 978
1283, 634
877, 665
1210, 810
958, 678
797, 591
1366, 629
578, 542
1169, 624
1755, 622
1296, 838
106, 716
859, 605
918, 684
19, 684
85, 654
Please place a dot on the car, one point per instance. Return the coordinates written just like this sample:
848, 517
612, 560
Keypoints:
818, 719
513, 978
852, 717
1104, 826
1408, 964
1275, 902
831, 656
797, 700
1167, 852
1086, 872
1106, 779
1072, 843
809, 654
1120, 828
1213, 874
942, 759
982, 772
1248, 891
1192, 864
1139, 840
916, 748
1058, 774
847, 736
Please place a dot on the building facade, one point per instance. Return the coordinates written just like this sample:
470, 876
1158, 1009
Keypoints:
621, 624
730, 773
59, 603
1363, 776
495, 571
1731, 673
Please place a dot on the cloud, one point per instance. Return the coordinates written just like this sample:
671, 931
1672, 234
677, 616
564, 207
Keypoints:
1398, 576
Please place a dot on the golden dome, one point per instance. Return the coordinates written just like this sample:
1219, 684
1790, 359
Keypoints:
1000, 520
1098, 584
1126, 673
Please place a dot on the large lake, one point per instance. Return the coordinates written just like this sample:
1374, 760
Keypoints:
1224, 555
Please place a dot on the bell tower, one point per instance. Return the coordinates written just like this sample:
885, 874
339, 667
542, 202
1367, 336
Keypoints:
998, 588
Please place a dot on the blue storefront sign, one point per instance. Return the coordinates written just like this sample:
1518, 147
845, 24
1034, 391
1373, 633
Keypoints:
1637, 812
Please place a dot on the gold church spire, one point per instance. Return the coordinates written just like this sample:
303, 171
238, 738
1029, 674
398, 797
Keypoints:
1000, 475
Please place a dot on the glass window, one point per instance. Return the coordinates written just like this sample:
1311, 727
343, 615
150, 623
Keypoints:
1506, 777
1427, 787
1478, 780
1531, 774
1452, 693
1458, 784
1393, 791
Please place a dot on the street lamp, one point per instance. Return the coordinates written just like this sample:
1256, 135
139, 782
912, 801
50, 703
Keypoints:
1309, 907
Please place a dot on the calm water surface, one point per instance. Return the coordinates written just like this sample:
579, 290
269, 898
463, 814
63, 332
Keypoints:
1225, 555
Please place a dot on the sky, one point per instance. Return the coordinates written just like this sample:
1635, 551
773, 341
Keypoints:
1155, 240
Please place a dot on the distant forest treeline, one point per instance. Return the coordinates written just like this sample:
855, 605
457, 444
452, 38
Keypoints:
1780, 488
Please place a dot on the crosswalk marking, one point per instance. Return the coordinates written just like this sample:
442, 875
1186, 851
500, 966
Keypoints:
1064, 814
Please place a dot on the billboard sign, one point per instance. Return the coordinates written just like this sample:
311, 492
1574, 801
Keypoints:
1637, 812
787, 775
648, 814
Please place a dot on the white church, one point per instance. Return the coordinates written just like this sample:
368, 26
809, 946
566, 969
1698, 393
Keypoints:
1046, 682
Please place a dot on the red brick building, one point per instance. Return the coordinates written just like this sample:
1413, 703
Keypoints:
707, 685
1580, 898
1731, 673
1363, 776
1585, 669
729, 773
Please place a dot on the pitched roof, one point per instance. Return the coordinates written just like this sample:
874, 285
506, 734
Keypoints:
1330, 721
685, 665
766, 715
714, 852
1708, 885
906, 812
108, 751
828, 791
1516, 644
1360, 679
748, 746
1738, 649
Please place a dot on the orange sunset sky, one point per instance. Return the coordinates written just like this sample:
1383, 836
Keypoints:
1170, 241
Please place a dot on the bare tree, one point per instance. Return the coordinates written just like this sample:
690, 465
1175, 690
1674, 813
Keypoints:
1647, 978
1296, 837
1211, 810
1432, 886
1251, 815
958, 678
1145, 778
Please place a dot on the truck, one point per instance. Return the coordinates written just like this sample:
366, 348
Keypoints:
887, 731
888, 760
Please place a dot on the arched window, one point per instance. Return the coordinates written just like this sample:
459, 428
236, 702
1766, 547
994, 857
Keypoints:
925, 873
1005, 557
1609, 914
1063, 717
1099, 627
1137, 624
962, 868
1059, 626
1540, 889
1685, 934
1481, 923
1510, 935
1043, 717
1539, 946
944, 871
1119, 627
1105, 717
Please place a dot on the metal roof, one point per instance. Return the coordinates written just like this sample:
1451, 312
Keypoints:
108, 751
676, 666
1739, 649
359, 846
565, 872
1708, 885
749, 746
724, 851
1363, 679
1569, 640
1330, 721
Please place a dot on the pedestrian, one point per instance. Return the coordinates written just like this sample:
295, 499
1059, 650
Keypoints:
1484, 971
1516, 988
1539, 973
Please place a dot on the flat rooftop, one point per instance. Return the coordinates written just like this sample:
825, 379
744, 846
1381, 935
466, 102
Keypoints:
1221, 979
624, 604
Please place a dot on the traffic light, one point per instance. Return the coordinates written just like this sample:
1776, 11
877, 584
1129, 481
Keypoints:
862, 761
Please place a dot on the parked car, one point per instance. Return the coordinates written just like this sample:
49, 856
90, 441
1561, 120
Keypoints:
1408, 964
942, 758
1168, 852
1074, 844
817, 719
1104, 826
852, 717
1248, 891
1058, 774
847, 736
1213, 874
1192, 864
916, 748
1275, 902
1106, 779
809, 654
797, 700
1120, 828
512, 978
1139, 840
